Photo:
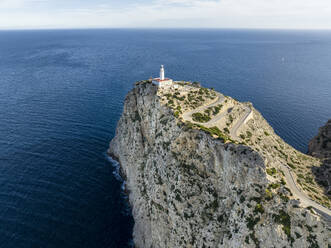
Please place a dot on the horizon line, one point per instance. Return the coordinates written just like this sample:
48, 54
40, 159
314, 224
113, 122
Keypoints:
165, 28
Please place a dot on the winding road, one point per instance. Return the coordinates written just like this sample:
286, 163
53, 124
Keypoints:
187, 116
305, 200
239, 123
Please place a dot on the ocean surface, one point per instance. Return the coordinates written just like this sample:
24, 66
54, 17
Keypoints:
62, 92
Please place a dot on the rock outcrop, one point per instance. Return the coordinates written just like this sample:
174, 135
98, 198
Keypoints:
320, 147
190, 189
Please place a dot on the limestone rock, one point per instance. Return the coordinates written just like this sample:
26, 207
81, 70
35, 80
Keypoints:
188, 189
320, 147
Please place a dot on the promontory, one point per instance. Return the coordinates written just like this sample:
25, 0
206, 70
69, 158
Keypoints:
205, 170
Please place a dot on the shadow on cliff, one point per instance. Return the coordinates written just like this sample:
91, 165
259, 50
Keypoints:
323, 176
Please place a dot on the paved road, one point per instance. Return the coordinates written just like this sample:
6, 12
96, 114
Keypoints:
217, 118
291, 184
234, 129
305, 200
187, 116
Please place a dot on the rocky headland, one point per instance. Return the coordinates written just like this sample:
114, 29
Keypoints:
204, 170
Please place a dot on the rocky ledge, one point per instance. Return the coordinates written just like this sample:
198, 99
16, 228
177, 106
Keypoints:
194, 185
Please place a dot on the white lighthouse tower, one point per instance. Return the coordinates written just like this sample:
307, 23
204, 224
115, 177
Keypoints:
162, 73
162, 81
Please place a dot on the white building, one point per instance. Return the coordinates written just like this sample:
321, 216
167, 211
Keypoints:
162, 81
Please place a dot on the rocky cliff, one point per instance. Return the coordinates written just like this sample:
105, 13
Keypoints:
320, 147
190, 186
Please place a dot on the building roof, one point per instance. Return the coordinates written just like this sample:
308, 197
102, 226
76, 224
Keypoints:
159, 80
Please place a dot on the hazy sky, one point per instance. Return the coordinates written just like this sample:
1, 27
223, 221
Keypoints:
298, 14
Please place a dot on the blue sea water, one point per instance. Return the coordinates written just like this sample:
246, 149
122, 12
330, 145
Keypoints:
61, 95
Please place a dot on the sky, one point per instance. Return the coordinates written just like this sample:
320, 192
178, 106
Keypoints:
264, 14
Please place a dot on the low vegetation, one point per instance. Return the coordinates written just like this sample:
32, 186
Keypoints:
213, 131
271, 171
202, 118
285, 220
255, 134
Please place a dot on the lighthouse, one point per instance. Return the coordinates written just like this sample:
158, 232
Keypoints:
162, 73
162, 81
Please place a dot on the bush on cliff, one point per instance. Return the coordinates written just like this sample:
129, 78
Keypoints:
198, 117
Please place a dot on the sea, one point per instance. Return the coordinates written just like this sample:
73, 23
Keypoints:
62, 93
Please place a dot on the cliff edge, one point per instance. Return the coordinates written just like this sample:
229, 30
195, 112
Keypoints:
204, 170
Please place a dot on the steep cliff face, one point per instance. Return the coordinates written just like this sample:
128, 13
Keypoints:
320, 147
189, 189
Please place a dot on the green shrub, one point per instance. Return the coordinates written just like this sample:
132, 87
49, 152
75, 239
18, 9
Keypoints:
217, 109
136, 117
178, 198
285, 220
273, 185
313, 242
268, 194
266, 133
201, 91
251, 222
292, 166
309, 180
255, 240
271, 171
259, 209
189, 125
198, 117
284, 197
201, 98
207, 111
